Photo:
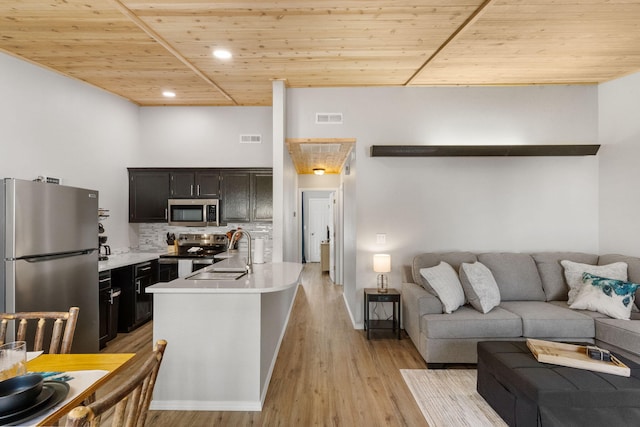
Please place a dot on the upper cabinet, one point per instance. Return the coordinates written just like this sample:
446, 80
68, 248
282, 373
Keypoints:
148, 194
246, 195
235, 189
262, 196
197, 184
208, 184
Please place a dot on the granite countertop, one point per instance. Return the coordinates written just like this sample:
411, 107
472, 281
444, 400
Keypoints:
268, 277
129, 258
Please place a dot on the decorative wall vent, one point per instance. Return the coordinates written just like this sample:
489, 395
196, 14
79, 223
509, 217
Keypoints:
250, 139
329, 118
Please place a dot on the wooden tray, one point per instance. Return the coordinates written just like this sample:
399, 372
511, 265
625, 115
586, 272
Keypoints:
574, 356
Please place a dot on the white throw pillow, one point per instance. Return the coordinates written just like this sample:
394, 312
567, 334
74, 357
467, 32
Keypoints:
607, 296
573, 274
444, 281
479, 286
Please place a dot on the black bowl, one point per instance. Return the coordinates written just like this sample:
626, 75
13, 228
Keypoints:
19, 392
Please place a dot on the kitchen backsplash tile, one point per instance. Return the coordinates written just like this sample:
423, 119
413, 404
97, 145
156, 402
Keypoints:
152, 236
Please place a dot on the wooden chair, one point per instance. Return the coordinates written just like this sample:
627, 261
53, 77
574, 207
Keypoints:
131, 398
58, 317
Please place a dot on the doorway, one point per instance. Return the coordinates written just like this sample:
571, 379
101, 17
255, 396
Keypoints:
317, 222
321, 221
318, 231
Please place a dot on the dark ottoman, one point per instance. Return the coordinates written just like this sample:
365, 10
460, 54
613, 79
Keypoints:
525, 392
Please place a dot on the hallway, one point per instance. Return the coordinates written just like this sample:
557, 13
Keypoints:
327, 373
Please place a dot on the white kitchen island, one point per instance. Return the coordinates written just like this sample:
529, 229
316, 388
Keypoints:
223, 337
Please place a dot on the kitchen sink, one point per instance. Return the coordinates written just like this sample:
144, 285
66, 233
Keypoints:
219, 274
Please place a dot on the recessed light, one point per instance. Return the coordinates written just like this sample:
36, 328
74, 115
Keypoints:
168, 94
222, 54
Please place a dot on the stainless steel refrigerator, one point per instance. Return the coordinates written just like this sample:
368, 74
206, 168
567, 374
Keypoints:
49, 253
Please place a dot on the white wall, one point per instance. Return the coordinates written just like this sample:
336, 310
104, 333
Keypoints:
307, 181
619, 103
57, 126
53, 125
478, 204
203, 137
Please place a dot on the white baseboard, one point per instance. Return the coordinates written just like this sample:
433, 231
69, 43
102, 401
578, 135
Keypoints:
199, 405
353, 321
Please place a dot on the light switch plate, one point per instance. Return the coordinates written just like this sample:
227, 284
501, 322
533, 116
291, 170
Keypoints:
381, 238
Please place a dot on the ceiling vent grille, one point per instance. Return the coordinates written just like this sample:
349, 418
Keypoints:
329, 118
320, 148
250, 139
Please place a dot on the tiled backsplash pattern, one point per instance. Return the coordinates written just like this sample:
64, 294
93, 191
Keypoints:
152, 236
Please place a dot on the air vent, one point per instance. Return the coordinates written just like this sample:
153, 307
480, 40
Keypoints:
250, 139
320, 148
329, 118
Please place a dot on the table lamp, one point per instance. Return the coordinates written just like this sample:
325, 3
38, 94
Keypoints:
382, 264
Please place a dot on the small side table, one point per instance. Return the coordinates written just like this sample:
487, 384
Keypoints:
393, 296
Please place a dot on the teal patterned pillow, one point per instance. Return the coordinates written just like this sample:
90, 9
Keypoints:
607, 296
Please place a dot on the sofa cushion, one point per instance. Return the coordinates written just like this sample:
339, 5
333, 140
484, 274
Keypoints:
551, 272
592, 314
544, 320
432, 259
621, 333
633, 268
516, 275
466, 322
607, 296
573, 273
443, 279
479, 286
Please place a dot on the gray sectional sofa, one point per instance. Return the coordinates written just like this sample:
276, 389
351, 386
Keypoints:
533, 304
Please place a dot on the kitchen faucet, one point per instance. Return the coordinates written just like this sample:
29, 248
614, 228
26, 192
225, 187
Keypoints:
249, 265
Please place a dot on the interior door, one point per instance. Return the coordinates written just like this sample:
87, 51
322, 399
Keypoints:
318, 224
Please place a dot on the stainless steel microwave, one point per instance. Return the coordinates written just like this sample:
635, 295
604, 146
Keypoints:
194, 212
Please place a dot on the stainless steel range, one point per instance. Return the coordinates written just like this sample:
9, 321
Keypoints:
195, 251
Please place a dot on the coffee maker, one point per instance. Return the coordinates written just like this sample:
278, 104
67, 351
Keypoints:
103, 249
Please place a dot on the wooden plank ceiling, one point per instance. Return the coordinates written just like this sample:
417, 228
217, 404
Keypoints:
138, 48
328, 155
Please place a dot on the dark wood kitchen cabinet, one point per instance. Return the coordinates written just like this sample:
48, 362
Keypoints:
198, 184
148, 194
262, 196
246, 196
104, 293
235, 189
181, 184
136, 306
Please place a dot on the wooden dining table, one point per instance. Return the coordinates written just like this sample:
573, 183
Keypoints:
111, 362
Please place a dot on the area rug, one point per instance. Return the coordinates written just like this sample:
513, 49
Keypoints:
448, 397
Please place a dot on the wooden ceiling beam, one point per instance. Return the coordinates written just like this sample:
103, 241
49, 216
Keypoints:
159, 39
466, 24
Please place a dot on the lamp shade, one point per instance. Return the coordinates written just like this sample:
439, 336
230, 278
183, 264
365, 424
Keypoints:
382, 263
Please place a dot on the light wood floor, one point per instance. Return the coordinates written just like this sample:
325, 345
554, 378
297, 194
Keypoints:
327, 373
